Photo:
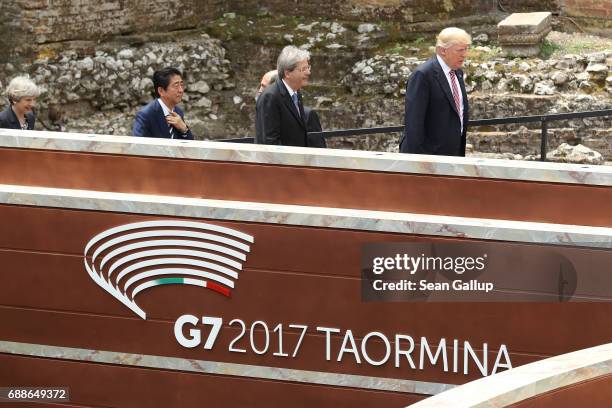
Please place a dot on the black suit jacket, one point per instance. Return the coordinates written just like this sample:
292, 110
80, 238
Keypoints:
8, 119
432, 124
151, 122
313, 124
277, 120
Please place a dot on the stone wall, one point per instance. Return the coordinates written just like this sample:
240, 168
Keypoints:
47, 21
10, 32
116, 78
61, 20
402, 10
497, 87
586, 15
32, 23
589, 8
523, 6
588, 74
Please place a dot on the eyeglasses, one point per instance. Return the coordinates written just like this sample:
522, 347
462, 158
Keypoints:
304, 69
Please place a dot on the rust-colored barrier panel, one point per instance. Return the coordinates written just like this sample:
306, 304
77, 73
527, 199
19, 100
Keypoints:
116, 386
595, 393
60, 283
50, 299
423, 194
266, 312
156, 337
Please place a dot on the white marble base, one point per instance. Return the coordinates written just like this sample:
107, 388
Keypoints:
527, 381
302, 156
220, 368
325, 217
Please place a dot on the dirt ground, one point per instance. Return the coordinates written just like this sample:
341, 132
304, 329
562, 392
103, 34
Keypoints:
577, 43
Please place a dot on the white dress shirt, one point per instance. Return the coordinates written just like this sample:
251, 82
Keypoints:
164, 107
446, 69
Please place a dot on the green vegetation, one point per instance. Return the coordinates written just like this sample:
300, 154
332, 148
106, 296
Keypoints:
264, 29
419, 47
483, 54
397, 48
390, 37
586, 46
548, 48
558, 44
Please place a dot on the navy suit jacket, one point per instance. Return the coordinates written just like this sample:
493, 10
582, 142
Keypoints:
432, 124
278, 121
8, 119
150, 122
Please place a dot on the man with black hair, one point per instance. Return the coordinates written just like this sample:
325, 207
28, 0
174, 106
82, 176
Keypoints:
162, 117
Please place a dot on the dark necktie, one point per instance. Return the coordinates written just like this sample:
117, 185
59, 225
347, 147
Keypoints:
296, 103
171, 131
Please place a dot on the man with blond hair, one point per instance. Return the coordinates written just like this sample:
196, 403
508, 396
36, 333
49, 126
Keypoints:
280, 118
436, 110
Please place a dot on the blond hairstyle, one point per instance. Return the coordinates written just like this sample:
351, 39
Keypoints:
451, 36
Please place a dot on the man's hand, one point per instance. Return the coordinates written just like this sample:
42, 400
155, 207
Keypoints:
175, 120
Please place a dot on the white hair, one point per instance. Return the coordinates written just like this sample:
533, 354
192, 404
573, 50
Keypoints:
288, 59
451, 36
20, 87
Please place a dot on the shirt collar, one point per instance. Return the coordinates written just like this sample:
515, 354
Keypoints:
164, 107
291, 91
445, 67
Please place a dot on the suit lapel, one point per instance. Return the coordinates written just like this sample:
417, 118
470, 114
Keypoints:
162, 125
14, 120
289, 103
441, 77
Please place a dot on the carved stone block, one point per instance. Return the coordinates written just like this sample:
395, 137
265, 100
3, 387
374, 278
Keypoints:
521, 34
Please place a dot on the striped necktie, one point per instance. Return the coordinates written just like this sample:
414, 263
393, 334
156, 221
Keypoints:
455, 91
170, 129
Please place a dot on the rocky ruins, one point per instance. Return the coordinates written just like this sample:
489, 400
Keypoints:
359, 75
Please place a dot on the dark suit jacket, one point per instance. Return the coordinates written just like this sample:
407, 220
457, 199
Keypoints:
277, 120
432, 124
150, 122
313, 124
8, 119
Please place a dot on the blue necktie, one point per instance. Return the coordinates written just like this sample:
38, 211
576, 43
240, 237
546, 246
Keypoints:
295, 102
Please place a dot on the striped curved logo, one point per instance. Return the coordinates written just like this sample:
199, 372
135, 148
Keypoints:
131, 258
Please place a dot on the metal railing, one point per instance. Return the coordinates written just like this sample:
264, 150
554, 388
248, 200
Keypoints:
543, 119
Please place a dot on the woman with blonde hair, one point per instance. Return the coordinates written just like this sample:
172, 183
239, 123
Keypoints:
21, 93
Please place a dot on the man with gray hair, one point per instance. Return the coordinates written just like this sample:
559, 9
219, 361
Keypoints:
311, 117
436, 110
280, 115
